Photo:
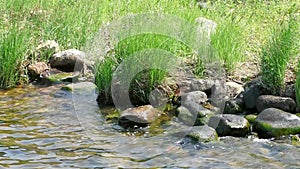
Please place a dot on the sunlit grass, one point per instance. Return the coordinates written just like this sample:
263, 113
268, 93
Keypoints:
276, 54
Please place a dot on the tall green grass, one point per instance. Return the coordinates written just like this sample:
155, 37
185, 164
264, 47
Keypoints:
145, 80
228, 43
72, 23
12, 48
297, 85
276, 54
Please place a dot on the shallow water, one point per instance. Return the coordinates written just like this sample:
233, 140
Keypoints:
51, 128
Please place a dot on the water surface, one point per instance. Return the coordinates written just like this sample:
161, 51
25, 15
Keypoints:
50, 128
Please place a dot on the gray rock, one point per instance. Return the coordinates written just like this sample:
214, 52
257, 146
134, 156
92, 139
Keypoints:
45, 49
234, 106
233, 89
203, 134
68, 60
252, 91
218, 94
201, 84
270, 101
138, 116
206, 26
289, 91
229, 125
186, 116
200, 114
274, 122
198, 97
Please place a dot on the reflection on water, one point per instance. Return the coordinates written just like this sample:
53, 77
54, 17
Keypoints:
50, 128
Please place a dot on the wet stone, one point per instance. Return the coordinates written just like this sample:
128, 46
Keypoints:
230, 125
138, 116
274, 122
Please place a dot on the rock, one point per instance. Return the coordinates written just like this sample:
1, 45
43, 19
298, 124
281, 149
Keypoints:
218, 94
230, 125
37, 69
268, 101
68, 60
63, 77
80, 87
289, 91
274, 122
45, 49
206, 26
185, 116
235, 105
252, 91
201, 85
203, 134
233, 89
138, 116
251, 118
198, 97
199, 114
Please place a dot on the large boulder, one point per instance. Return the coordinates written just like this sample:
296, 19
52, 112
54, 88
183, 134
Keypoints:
138, 116
203, 134
274, 122
68, 60
230, 125
270, 101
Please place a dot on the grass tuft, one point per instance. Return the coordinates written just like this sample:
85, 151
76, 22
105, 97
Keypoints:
276, 55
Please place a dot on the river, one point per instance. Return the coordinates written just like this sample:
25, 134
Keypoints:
45, 127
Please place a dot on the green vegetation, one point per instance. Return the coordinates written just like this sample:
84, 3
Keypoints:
243, 27
297, 85
277, 53
228, 43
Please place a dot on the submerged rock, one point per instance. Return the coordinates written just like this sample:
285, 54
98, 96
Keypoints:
230, 125
274, 122
80, 87
269, 101
203, 134
63, 77
68, 60
138, 116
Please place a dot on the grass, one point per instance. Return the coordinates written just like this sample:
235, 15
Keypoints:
12, 47
297, 85
142, 61
242, 30
277, 53
228, 44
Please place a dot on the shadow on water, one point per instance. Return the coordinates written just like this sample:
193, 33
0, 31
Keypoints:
51, 128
